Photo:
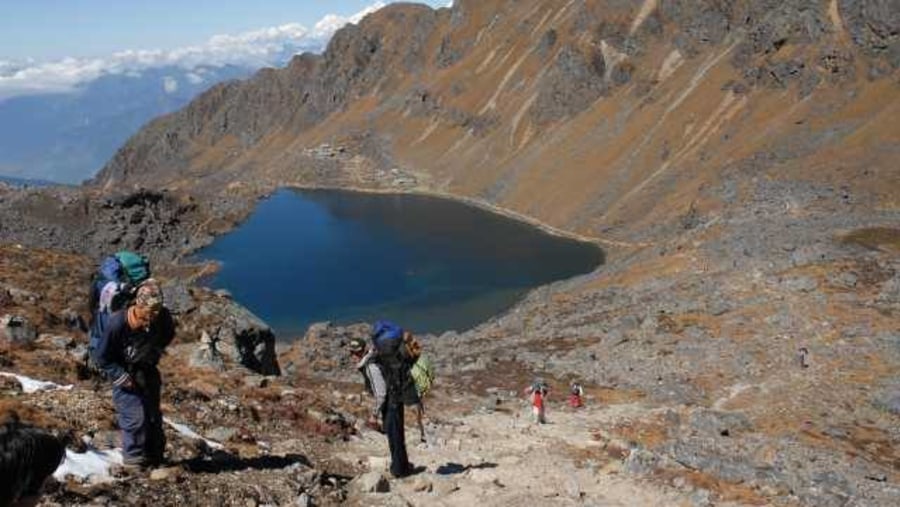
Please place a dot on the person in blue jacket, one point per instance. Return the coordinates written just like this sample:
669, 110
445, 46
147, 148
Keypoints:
128, 353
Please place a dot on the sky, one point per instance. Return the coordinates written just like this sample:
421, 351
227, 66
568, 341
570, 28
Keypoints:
54, 29
55, 45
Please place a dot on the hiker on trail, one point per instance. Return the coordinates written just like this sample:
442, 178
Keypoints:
128, 353
376, 386
538, 391
576, 395
393, 357
28, 455
113, 287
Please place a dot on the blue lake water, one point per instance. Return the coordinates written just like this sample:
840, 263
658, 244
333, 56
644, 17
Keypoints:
430, 264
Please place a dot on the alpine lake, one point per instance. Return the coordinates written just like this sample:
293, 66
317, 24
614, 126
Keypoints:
427, 263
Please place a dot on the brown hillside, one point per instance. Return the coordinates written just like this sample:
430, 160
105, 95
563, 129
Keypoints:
584, 115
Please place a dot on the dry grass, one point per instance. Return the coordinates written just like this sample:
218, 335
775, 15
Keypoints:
884, 239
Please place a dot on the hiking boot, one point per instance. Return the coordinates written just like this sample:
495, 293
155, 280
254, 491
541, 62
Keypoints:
133, 462
409, 470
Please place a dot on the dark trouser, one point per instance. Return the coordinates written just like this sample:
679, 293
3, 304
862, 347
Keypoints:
393, 426
140, 418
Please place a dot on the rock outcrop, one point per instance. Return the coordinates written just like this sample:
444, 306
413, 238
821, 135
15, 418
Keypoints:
230, 331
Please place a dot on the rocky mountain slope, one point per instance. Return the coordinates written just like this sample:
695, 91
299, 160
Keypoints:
736, 159
584, 115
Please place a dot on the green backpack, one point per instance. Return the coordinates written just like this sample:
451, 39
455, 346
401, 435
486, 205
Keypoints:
422, 373
134, 266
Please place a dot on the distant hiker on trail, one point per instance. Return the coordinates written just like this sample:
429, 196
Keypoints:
538, 391
375, 385
576, 395
128, 354
28, 455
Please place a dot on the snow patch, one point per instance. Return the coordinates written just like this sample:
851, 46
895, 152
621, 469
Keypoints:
670, 65
30, 385
93, 464
646, 9
188, 432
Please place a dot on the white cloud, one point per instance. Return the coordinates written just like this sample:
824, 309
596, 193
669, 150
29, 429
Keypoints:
258, 48
332, 22
194, 77
170, 84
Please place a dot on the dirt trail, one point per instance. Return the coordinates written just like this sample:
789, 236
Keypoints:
502, 459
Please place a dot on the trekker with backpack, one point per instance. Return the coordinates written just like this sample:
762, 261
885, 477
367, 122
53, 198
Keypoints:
128, 353
576, 395
422, 377
395, 360
113, 288
538, 391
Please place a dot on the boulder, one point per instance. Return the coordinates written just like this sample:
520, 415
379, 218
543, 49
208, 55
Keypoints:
162, 474
9, 386
422, 485
371, 482
22, 297
207, 355
378, 463
240, 336
255, 381
221, 434
889, 400
207, 389
890, 292
178, 298
17, 330
641, 462
56, 341
713, 422
444, 487
73, 320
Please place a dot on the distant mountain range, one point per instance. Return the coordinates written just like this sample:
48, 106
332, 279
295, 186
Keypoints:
19, 182
67, 137
62, 121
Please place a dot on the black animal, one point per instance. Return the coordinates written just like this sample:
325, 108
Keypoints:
28, 455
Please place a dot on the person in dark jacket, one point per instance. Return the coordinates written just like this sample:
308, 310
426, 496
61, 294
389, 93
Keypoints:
128, 354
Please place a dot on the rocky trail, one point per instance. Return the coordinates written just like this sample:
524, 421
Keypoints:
502, 458
475, 454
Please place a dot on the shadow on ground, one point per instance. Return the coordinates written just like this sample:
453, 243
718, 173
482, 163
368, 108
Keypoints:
225, 462
456, 468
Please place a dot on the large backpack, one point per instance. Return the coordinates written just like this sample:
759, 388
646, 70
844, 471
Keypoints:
423, 375
113, 286
399, 354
